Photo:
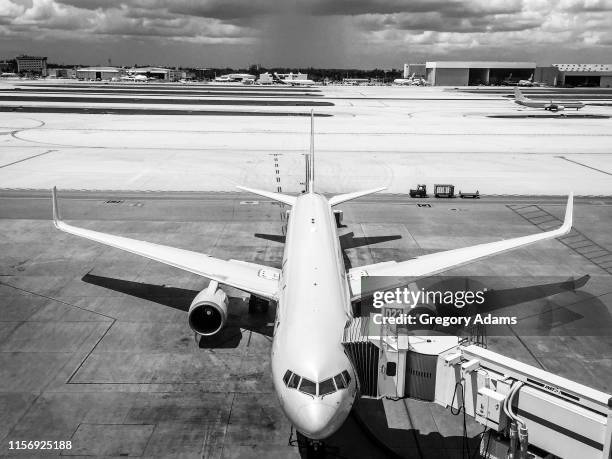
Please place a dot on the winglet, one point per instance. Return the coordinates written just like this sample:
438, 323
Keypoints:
56, 213
569, 215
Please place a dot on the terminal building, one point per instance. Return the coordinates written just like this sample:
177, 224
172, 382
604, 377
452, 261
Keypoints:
31, 65
466, 73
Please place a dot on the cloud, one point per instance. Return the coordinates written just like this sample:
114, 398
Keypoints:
314, 32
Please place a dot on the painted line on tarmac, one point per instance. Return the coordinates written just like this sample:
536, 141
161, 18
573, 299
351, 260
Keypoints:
29, 157
583, 165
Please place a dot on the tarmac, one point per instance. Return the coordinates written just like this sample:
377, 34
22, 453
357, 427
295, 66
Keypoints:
96, 349
94, 342
365, 137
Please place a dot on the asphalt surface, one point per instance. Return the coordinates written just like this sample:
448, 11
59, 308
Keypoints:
95, 348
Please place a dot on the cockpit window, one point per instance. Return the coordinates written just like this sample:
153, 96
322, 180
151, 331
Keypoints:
294, 381
340, 382
327, 387
308, 387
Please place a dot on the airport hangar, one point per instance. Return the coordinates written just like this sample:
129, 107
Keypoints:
108, 73
472, 73
597, 75
466, 73
99, 73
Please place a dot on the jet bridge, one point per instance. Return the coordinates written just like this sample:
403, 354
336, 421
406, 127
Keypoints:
534, 413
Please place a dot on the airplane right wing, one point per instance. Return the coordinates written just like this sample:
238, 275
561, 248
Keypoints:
250, 277
436, 263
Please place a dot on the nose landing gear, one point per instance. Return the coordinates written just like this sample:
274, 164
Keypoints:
308, 448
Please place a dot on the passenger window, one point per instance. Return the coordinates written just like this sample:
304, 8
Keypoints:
340, 384
286, 377
327, 387
294, 381
347, 377
308, 387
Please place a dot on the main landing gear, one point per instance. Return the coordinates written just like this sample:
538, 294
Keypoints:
258, 305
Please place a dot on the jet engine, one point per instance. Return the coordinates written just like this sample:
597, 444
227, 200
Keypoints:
208, 310
555, 107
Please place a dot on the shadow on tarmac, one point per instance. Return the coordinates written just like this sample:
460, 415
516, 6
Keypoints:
238, 319
365, 434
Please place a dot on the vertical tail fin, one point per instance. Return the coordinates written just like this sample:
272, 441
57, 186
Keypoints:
518, 95
310, 158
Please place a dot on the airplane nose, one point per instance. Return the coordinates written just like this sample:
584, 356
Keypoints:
313, 420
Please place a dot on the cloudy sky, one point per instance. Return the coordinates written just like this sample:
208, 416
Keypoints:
320, 33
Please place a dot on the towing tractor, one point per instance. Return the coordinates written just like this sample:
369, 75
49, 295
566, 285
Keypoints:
420, 192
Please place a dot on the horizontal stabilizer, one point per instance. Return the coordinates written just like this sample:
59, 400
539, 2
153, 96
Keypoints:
284, 198
357, 194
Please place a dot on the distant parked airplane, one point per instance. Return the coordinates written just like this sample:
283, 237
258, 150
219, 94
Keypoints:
411, 81
520, 99
293, 81
528, 82
235, 78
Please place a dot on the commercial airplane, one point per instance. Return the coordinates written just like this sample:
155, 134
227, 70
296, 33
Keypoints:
293, 81
528, 82
234, 78
137, 77
314, 379
404, 81
520, 99
411, 81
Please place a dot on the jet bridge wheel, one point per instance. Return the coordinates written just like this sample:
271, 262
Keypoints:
258, 305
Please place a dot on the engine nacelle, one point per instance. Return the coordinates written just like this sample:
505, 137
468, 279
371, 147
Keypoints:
208, 311
554, 107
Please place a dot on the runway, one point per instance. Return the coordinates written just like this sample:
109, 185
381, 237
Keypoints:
365, 137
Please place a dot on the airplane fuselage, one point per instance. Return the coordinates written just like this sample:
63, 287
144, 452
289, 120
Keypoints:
552, 106
313, 308
300, 82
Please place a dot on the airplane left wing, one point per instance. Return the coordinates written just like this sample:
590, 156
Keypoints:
436, 263
250, 277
